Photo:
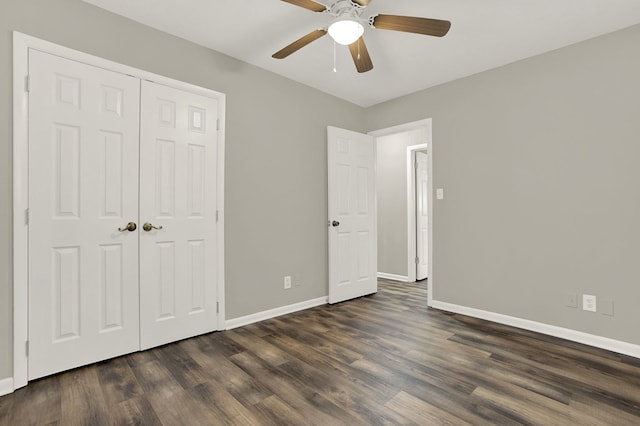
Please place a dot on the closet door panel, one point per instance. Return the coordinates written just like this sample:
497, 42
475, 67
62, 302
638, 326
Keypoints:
178, 148
83, 186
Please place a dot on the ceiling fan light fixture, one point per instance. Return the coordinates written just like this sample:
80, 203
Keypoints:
345, 31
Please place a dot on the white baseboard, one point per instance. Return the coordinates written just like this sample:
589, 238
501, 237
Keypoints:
276, 312
551, 330
394, 277
6, 386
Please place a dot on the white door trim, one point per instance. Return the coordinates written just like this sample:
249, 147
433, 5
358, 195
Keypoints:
411, 219
21, 45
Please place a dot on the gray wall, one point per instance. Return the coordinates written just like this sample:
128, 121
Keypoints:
391, 187
275, 192
539, 163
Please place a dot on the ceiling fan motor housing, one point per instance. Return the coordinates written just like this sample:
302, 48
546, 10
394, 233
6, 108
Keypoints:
346, 8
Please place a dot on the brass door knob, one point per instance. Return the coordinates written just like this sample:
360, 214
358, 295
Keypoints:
149, 226
131, 226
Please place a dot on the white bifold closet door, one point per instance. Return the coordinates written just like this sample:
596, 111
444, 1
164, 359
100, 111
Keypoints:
83, 186
178, 195
107, 150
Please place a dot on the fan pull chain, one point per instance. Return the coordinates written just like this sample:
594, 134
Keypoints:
335, 69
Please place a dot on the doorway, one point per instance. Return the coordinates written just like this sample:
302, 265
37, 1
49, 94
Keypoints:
401, 241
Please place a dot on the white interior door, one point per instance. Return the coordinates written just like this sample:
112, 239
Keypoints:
352, 215
422, 215
178, 149
83, 186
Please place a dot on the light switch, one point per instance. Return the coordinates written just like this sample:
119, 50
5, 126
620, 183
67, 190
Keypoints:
440, 194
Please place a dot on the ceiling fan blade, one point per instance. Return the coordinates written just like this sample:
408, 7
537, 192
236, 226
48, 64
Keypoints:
299, 44
360, 56
362, 3
411, 24
308, 4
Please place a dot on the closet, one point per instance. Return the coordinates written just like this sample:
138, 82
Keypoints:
122, 218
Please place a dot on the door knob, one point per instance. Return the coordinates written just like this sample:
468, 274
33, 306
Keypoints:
149, 226
131, 226
335, 223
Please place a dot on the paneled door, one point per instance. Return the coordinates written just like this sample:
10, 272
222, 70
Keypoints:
422, 215
352, 215
122, 211
83, 174
178, 146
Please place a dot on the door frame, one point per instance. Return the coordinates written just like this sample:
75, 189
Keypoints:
411, 209
21, 45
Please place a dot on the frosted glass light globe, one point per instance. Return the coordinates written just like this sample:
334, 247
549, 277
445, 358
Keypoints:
346, 31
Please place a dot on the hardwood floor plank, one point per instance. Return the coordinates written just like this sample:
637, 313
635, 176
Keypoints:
82, 398
218, 399
183, 408
383, 359
182, 366
377, 389
238, 383
313, 405
360, 404
602, 413
138, 358
265, 350
38, 403
422, 412
117, 380
6, 409
154, 377
133, 411
272, 410
331, 349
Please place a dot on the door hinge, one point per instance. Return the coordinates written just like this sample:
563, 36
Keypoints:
217, 215
218, 124
27, 84
417, 260
26, 216
26, 348
217, 307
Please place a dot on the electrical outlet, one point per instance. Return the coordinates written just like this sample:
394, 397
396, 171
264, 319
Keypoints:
287, 282
571, 300
588, 303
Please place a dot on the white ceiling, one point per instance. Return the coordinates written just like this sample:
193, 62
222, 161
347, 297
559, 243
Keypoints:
484, 34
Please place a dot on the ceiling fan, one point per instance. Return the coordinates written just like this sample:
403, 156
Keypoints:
347, 28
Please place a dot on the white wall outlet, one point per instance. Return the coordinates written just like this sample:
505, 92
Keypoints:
440, 194
588, 303
287, 282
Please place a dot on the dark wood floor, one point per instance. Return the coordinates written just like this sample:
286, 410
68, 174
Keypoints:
381, 359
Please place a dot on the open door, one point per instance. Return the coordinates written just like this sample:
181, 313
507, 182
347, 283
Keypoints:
352, 215
422, 215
